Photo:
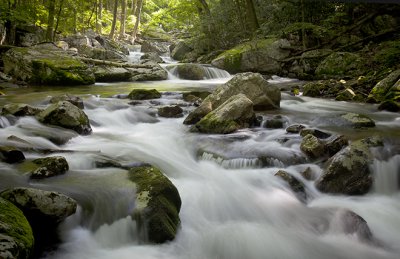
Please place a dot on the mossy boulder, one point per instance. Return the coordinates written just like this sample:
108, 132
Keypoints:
153, 56
312, 146
348, 171
16, 237
19, 109
263, 95
386, 89
157, 205
391, 106
46, 65
144, 94
356, 120
75, 100
190, 71
295, 185
11, 155
49, 166
111, 74
188, 96
315, 132
180, 50
235, 113
340, 64
152, 72
66, 115
276, 122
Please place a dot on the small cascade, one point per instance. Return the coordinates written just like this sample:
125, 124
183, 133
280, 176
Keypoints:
135, 53
210, 72
233, 163
386, 175
4, 122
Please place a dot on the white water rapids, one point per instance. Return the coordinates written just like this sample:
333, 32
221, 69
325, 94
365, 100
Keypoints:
228, 212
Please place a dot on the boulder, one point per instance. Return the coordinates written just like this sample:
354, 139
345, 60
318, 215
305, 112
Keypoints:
346, 95
66, 115
350, 223
155, 47
111, 44
111, 74
315, 132
46, 65
75, 100
386, 89
295, 128
173, 111
340, 64
11, 155
312, 146
16, 237
157, 205
262, 94
276, 122
188, 96
18, 109
356, 120
153, 56
336, 144
259, 56
190, 71
391, 106
180, 50
153, 72
348, 171
295, 185
144, 94
235, 113
49, 166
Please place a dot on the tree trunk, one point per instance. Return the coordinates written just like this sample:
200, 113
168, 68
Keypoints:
123, 19
114, 22
99, 16
50, 20
205, 6
138, 13
303, 32
251, 16
58, 18
75, 21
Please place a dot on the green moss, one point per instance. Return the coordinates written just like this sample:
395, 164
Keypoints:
340, 64
211, 124
14, 224
144, 94
388, 54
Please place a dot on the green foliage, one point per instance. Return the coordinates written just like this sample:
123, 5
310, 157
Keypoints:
388, 54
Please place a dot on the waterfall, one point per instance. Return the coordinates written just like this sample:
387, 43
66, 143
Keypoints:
210, 72
386, 175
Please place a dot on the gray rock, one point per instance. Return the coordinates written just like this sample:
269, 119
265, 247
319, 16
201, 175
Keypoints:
157, 205
66, 115
312, 146
11, 155
295, 128
173, 111
294, 184
190, 71
315, 132
111, 74
49, 166
75, 100
18, 109
144, 94
153, 56
180, 50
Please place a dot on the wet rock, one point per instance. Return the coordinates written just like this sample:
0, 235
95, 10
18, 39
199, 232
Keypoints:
312, 146
173, 111
111, 74
312, 89
315, 132
49, 166
236, 113
308, 174
190, 71
16, 237
144, 94
391, 106
348, 171
180, 50
264, 96
276, 122
11, 155
295, 128
157, 205
153, 72
336, 144
17, 109
153, 56
383, 88
46, 65
75, 100
346, 95
66, 115
188, 96
357, 120
296, 186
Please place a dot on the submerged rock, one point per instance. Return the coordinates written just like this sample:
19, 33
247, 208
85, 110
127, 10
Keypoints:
173, 111
236, 113
157, 205
49, 166
144, 94
348, 171
276, 122
16, 237
18, 109
46, 65
66, 115
263, 95
75, 100
11, 155
294, 184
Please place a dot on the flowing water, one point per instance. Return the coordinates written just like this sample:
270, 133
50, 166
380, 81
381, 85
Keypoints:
233, 206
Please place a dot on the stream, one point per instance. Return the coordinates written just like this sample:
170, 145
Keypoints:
232, 207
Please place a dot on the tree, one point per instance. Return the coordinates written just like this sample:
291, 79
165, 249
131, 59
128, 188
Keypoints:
114, 22
123, 19
50, 21
137, 22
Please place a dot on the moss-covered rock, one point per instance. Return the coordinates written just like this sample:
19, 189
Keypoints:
259, 56
153, 56
335, 144
188, 96
386, 88
348, 171
180, 50
346, 95
75, 100
19, 109
312, 146
111, 74
294, 184
16, 237
66, 115
340, 64
49, 166
144, 94
356, 120
263, 95
190, 71
276, 122
157, 205
153, 72
47, 65
236, 113
173, 111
